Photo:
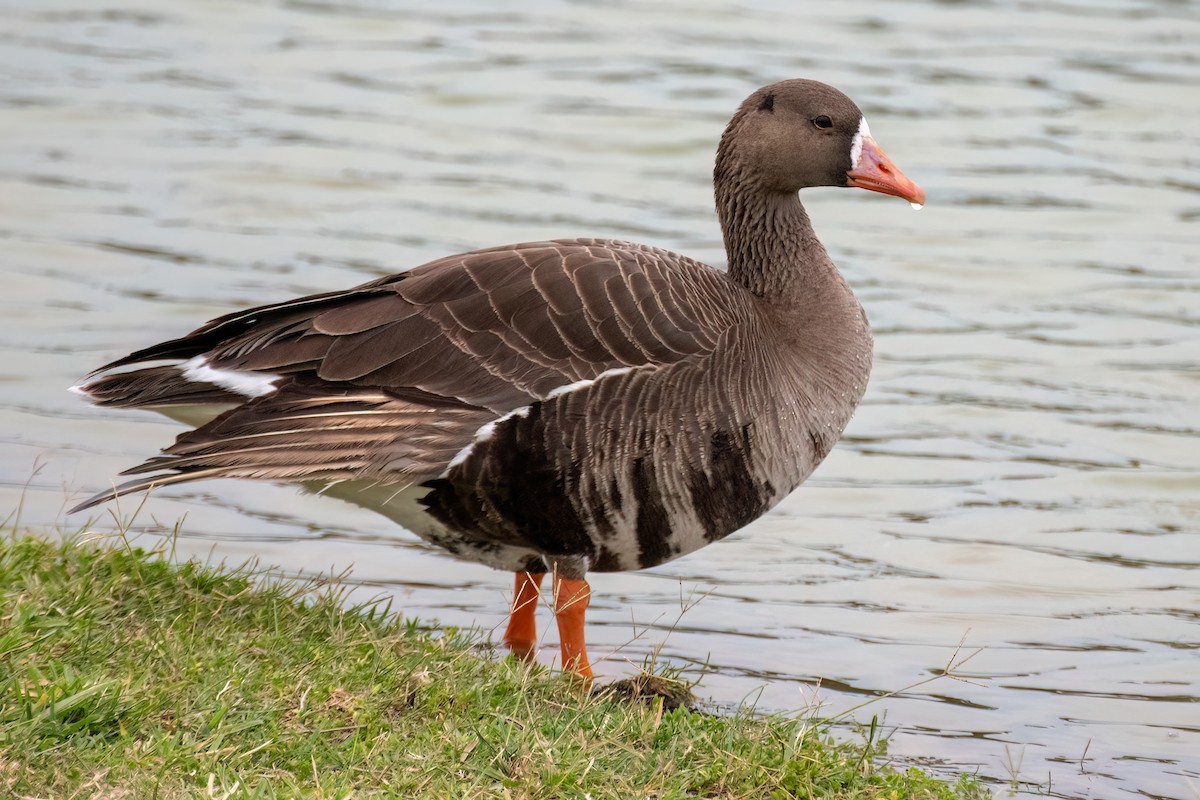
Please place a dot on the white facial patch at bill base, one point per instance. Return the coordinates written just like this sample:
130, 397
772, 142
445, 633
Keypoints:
856, 146
243, 382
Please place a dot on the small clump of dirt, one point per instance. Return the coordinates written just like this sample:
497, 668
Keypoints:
646, 689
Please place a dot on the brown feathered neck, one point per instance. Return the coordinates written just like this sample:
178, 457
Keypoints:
769, 241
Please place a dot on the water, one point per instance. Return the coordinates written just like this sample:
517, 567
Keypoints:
1023, 478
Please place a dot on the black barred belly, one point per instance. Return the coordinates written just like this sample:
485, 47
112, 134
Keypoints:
515, 490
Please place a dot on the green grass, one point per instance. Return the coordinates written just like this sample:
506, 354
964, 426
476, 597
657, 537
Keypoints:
125, 676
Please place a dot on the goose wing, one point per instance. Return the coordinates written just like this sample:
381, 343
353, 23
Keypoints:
391, 379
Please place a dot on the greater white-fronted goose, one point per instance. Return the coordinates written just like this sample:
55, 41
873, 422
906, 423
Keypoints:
563, 406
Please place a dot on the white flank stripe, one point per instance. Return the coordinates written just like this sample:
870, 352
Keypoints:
487, 431
577, 385
864, 131
244, 382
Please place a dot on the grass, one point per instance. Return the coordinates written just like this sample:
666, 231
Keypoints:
125, 676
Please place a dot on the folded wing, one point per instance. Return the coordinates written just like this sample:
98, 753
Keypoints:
390, 380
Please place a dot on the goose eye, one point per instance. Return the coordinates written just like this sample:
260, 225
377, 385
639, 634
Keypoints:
823, 122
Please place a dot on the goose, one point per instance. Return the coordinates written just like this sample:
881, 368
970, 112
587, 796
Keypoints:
556, 407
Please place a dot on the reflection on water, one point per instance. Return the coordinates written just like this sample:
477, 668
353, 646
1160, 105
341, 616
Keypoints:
1023, 478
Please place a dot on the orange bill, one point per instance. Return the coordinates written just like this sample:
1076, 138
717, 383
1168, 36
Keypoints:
876, 172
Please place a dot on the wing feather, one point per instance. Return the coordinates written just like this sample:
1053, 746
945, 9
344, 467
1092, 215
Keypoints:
316, 432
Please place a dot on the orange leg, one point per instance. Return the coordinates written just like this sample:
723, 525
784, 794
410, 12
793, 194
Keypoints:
571, 598
521, 634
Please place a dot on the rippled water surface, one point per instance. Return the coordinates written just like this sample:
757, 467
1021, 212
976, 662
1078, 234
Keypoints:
1023, 477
